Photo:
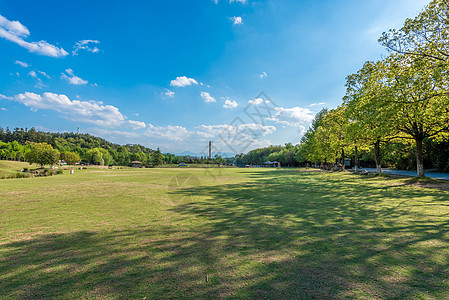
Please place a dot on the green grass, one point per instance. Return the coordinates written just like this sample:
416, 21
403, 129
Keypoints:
11, 167
274, 234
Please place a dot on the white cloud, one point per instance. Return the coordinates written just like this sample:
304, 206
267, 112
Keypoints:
83, 111
169, 94
72, 78
264, 74
15, 32
183, 81
21, 63
294, 117
6, 97
207, 97
236, 20
232, 1
89, 45
317, 104
38, 81
230, 104
4, 109
137, 124
170, 132
43, 73
256, 101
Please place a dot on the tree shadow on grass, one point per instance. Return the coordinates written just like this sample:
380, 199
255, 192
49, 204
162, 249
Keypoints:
283, 235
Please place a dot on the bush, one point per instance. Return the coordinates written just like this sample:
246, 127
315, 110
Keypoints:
59, 172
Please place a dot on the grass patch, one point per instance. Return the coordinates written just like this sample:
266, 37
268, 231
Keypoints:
157, 233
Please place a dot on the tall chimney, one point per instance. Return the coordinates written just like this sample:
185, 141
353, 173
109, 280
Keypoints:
210, 149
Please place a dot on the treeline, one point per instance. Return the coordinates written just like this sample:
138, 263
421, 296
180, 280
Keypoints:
396, 110
17, 144
283, 154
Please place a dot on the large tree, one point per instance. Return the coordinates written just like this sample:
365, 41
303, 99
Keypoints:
70, 158
42, 154
417, 101
369, 120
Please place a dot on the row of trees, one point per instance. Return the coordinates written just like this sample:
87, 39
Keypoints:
18, 143
391, 106
401, 97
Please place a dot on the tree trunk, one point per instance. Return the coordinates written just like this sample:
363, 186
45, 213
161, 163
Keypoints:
343, 158
377, 154
419, 157
356, 160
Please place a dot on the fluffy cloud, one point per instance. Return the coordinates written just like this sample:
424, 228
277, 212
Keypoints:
83, 111
21, 63
256, 101
264, 74
72, 78
183, 81
169, 93
170, 132
295, 116
207, 97
15, 32
230, 104
236, 20
88, 45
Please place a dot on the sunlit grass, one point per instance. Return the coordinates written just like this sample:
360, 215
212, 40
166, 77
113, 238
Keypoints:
159, 233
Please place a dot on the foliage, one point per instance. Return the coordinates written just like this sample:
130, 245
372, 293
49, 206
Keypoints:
70, 158
42, 154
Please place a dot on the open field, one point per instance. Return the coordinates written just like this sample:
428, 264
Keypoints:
253, 233
10, 167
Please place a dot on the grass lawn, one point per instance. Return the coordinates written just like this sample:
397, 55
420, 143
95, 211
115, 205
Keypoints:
253, 233
10, 167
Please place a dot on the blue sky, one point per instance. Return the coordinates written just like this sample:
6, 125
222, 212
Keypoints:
176, 74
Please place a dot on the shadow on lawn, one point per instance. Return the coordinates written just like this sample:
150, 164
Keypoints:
284, 235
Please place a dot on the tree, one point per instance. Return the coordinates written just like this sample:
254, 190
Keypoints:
70, 158
369, 121
418, 105
308, 149
42, 154
157, 157
419, 74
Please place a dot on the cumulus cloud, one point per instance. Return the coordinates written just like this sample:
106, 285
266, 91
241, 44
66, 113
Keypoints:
230, 104
183, 81
22, 64
295, 116
169, 94
207, 97
170, 132
256, 101
264, 74
15, 32
88, 45
236, 20
32, 74
93, 112
72, 78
